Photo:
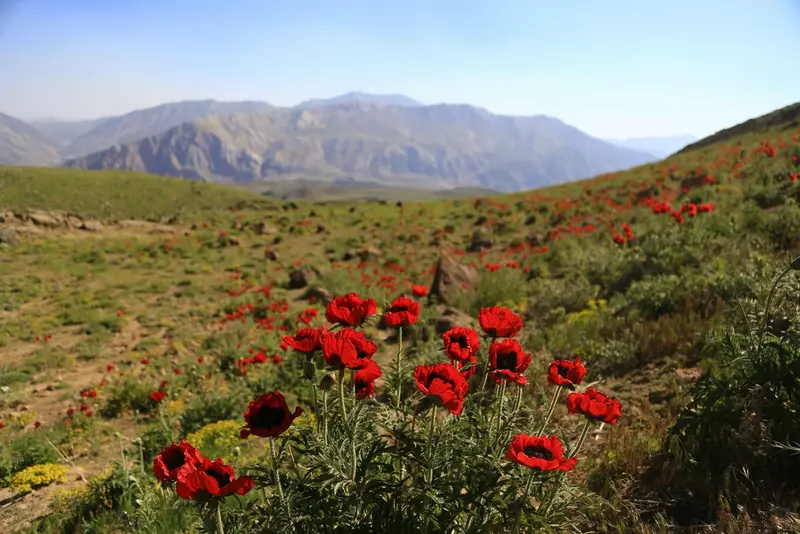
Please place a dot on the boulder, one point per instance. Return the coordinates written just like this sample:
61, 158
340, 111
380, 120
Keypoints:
369, 253
450, 279
451, 318
300, 278
479, 242
317, 294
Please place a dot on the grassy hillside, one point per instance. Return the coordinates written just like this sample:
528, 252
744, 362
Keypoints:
657, 279
315, 191
112, 194
783, 120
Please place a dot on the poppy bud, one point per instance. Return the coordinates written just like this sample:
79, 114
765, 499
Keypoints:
308, 370
795, 265
327, 382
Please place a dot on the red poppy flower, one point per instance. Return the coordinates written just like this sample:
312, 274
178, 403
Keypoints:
365, 379
340, 353
444, 384
566, 373
595, 405
211, 479
268, 416
461, 344
499, 322
544, 453
174, 458
507, 361
467, 369
365, 349
403, 311
157, 396
419, 291
306, 340
349, 310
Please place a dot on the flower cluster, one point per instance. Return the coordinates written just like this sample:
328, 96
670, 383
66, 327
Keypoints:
342, 345
197, 478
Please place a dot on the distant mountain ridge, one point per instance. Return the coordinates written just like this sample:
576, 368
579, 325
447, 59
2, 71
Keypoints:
355, 137
440, 146
356, 96
23, 144
660, 147
146, 122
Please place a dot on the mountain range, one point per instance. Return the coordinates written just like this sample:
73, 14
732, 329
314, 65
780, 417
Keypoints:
357, 137
660, 147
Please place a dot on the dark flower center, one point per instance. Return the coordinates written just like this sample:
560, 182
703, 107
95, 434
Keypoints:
173, 459
222, 478
538, 452
507, 360
268, 417
462, 342
563, 371
441, 378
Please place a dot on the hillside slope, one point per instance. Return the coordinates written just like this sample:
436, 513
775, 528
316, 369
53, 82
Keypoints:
433, 146
22, 144
113, 194
783, 119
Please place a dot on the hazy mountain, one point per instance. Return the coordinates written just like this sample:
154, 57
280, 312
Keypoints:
660, 147
64, 132
366, 98
146, 122
22, 144
429, 146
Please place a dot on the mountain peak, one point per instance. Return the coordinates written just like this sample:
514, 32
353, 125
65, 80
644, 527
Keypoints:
361, 97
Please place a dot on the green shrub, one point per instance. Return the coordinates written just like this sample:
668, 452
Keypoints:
722, 448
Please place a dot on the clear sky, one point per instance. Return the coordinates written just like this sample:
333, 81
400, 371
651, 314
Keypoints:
613, 68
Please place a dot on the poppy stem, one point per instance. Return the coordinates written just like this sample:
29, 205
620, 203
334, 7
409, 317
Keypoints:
220, 529
353, 387
341, 397
399, 366
316, 403
429, 474
522, 504
518, 401
485, 374
278, 478
550, 409
581, 439
325, 416
500, 409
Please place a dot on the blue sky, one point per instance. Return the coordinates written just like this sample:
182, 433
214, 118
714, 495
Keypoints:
613, 68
